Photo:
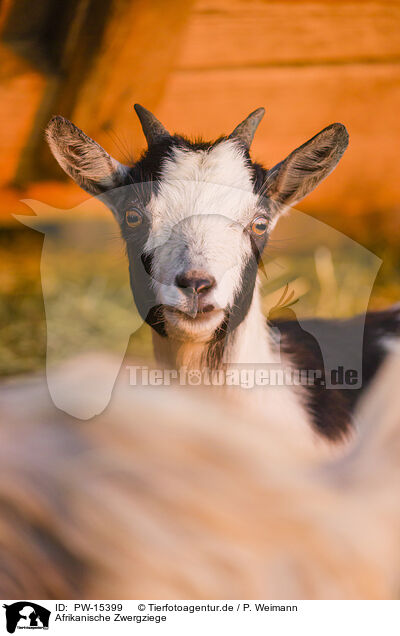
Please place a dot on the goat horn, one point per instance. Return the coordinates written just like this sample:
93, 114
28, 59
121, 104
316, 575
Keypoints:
245, 131
153, 129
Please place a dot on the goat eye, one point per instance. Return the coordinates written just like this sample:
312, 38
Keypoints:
133, 217
259, 226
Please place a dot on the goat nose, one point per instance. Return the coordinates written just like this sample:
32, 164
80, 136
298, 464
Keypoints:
195, 281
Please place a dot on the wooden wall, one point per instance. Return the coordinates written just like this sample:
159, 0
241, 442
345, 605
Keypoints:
309, 64
204, 65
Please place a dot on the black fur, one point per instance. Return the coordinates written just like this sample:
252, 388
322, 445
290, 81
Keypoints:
331, 408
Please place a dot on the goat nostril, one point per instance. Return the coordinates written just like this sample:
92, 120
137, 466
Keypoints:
195, 282
203, 284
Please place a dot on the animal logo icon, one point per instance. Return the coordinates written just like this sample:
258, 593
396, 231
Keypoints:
26, 615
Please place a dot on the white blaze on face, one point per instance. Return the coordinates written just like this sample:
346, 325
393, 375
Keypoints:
204, 202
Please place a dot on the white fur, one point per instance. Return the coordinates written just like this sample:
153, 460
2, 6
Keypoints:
198, 218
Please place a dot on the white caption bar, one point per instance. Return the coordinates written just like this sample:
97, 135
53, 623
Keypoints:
199, 617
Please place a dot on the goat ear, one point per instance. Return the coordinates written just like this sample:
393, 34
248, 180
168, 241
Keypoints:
83, 159
295, 177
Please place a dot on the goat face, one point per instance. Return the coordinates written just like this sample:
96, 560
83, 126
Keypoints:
202, 221
195, 216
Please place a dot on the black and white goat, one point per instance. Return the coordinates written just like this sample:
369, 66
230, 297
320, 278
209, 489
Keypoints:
196, 218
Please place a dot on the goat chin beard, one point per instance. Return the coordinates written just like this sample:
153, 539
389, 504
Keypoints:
199, 328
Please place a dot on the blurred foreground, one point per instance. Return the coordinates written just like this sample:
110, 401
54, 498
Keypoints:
193, 504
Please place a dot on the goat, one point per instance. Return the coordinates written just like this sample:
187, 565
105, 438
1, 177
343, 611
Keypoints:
166, 495
196, 217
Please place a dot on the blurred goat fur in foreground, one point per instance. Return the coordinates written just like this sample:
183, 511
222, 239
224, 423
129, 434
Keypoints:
182, 500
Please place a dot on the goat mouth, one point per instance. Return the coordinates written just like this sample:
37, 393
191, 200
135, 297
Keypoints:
196, 316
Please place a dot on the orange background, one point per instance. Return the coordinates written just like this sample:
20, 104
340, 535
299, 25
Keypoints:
202, 66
